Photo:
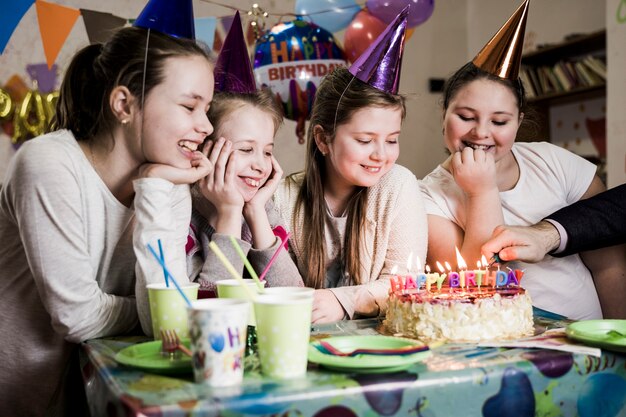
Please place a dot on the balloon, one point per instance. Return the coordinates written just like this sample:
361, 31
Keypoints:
291, 59
387, 10
332, 15
360, 34
6, 105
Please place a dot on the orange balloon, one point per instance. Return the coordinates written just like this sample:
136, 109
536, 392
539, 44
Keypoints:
360, 34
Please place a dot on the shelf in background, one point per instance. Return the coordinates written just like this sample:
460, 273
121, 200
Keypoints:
580, 45
577, 94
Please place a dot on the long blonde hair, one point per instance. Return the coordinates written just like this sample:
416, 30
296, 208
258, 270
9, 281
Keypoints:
338, 97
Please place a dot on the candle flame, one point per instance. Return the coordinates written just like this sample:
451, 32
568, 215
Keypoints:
484, 261
394, 269
460, 262
440, 267
448, 267
418, 263
478, 264
427, 269
409, 262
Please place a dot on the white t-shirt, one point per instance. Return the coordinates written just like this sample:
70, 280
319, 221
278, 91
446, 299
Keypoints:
550, 178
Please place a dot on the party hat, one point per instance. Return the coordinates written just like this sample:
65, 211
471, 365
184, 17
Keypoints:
233, 71
172, 17
380, 64
502, 55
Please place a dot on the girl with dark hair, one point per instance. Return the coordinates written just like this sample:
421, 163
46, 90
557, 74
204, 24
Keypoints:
129, 121
490, 180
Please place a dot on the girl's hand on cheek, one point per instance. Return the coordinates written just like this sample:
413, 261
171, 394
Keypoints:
199, 168
474, 170
326, 307
266, 191
219, 187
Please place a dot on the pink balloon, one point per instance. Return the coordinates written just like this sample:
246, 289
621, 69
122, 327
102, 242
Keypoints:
360, 34
387, 10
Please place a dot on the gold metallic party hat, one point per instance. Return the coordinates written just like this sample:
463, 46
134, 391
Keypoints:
502, 55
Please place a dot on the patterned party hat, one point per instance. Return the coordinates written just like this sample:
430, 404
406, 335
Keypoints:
502, 55
233, 71
380, 64
172, 17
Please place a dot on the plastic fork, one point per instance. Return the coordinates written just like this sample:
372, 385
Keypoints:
405, 350
171, 343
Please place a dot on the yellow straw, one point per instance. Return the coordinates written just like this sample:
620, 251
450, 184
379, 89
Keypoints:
244, 258
231, 268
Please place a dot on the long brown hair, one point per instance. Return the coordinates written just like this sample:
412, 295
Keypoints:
95, 70
338, 97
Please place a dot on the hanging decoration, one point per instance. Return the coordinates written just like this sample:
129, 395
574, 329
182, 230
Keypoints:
258, 17
291, 60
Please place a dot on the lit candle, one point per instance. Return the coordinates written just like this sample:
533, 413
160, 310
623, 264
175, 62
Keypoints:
462, 266
479, 272
395, 281
453, 277
421, 276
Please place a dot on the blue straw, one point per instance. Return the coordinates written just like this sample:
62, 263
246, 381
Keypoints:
169, 274
162, 256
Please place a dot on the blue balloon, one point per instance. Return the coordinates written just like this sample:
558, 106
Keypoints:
332, 15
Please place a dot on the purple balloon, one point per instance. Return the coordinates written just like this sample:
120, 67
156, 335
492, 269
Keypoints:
387, 10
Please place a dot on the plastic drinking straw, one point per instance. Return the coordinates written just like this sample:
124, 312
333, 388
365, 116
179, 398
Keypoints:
274, 256
162, 256
169, 274
230, 268
249, 267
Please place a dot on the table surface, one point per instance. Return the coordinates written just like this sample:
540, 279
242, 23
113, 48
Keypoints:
458, 379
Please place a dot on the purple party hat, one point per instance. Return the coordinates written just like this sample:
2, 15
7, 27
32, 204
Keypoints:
172, 17
233, 71
380, 64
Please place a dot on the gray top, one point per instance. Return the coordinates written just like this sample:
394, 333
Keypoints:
207, 269
66, 269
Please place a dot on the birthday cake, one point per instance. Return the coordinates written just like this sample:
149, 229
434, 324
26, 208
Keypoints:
452, 312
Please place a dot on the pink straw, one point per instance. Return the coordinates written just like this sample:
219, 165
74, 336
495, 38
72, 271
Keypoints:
274, 256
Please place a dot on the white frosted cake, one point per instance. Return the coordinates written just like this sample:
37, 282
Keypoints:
460, 314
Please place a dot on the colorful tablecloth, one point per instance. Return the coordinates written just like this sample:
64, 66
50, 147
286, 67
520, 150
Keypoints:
458, 379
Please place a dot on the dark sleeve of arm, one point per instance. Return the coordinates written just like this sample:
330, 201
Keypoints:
595, 222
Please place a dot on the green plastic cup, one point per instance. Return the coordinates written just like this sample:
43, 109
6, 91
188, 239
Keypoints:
283, 330
289, 291
231, 288
168, 308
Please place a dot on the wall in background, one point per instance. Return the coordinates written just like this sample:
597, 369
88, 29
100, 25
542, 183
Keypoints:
616, 94
452, 36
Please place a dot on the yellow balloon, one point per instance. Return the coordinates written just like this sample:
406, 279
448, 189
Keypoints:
51, 103
31, 118
6, 105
